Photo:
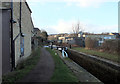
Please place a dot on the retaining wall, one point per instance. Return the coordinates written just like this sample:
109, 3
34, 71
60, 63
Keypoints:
104, 71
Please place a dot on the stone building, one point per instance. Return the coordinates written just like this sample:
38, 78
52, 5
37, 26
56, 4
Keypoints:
36, 39
19, 22
37, 32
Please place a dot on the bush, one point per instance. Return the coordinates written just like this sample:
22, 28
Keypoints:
91, 43
111, 46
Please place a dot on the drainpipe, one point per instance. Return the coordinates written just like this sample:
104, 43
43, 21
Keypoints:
21, 34
20, 18
12, 41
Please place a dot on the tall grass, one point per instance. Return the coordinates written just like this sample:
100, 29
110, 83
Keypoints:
62, 73
112, 57
22, 69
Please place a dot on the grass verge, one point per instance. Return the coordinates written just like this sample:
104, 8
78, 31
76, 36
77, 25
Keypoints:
112, 57
62, 73
22, 69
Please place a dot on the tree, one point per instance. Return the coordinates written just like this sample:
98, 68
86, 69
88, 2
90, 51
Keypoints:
77, 28
44, 34
91, 43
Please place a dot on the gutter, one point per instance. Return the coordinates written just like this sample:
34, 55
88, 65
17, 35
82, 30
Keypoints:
28, 7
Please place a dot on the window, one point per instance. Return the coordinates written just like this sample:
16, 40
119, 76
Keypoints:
22, 46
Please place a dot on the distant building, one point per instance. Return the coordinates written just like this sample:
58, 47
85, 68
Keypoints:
37, 32
116, 34
36, 37
80, 34
100, 37
80, 40
72, 41
62, 39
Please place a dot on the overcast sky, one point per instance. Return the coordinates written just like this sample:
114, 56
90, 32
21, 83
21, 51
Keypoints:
58, 16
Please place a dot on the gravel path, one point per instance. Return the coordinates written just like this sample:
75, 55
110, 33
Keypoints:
43, 70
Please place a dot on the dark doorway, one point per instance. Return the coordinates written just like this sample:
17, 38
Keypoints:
6, 64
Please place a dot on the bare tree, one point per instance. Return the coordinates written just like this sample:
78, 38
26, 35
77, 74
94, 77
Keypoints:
77, 28
44, 34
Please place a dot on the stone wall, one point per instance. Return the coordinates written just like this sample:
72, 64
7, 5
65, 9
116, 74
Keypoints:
27, 27
103, 69
4, 5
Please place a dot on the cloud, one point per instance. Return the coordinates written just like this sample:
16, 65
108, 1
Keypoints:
81, 3
101, 28
73, 0
66, 27
69, 4
62, 26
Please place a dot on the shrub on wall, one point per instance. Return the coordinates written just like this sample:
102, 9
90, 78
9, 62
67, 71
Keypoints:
91, 43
